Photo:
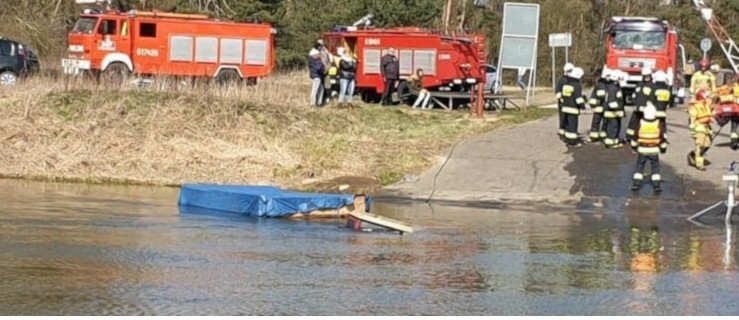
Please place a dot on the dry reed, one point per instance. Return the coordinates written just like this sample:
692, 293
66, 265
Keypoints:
63, 129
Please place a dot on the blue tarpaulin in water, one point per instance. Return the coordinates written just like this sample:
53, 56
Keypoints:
259, 201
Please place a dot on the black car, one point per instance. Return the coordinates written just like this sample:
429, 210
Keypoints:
16, 60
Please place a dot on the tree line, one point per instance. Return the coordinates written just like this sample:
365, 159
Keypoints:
44, 23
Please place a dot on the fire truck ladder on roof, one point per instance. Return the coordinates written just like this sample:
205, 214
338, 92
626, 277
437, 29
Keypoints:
724, 38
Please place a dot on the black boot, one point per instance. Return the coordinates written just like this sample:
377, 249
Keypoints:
656, 186
636, 186
691, 158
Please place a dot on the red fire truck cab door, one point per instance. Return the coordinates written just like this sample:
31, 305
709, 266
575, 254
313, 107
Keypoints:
106, 40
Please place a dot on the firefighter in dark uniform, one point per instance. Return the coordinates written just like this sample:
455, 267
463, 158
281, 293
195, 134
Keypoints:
558, 91
572, 102
597, 102
614, 110
661, 97
649, 142
641, 95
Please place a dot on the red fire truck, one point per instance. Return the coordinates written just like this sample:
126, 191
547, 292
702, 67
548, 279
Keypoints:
117, 44
633, 43
451, 64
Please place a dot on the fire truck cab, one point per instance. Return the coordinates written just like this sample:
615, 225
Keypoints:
450, 63
117, 44
633, 43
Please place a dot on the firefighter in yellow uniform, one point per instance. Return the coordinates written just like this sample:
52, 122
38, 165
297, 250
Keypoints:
649, 142
703, 79
701, 117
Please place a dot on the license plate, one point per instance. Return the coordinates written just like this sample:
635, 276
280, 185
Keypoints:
74, 66
68, 63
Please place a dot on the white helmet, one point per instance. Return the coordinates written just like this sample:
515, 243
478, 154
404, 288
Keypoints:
569, 67
577, 73
650, 112
614, 75
605, 73
646, 71
660, 76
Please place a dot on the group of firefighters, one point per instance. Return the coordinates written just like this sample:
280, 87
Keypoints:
647, 127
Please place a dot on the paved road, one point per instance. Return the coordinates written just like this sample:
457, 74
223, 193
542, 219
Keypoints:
528, 162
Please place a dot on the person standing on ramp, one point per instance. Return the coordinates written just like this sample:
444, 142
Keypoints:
614, 111
572, 103
662, 96
558, 92
701, 117
641, 95
597, 101
649, 142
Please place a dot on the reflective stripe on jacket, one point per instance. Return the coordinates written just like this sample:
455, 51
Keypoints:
649, 134
700, 113
642, 94
650, 137
661, 99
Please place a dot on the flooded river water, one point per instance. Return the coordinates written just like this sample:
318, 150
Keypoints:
68, 249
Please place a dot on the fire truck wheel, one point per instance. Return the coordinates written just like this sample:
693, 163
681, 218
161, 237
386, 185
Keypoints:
228, 77
116, 74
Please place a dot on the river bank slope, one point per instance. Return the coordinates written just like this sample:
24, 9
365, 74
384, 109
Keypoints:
173, 133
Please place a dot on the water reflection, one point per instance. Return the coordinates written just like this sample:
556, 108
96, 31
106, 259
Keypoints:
85, 250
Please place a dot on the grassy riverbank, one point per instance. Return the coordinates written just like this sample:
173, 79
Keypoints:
52, 130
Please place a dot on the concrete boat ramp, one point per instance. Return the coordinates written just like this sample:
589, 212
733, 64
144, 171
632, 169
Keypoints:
528, 163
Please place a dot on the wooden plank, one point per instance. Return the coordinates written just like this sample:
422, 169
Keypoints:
382, 221
343, 212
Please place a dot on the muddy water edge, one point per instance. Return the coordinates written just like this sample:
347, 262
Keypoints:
71, 249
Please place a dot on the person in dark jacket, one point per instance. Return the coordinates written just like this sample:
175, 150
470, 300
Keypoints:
328, 59
573, 103
347, 75
597, 102
649, 142
558, 92
642, 94
390, 70
614, 110
317, 74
